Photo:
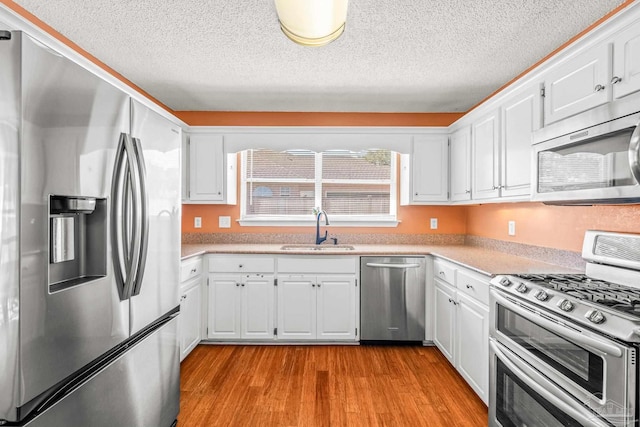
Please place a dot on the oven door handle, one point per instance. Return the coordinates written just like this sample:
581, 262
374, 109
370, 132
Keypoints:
545, 388
593, 343
634, 153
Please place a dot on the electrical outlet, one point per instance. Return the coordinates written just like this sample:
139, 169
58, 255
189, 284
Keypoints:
224, 222
512, 228
197, 222
434, 223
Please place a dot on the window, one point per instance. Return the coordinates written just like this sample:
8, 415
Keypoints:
353, 187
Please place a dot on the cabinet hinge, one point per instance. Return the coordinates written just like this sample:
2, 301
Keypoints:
207, 281
207, 331
275, 331
447, 194
356, 331
356, 283
275, 282
542, 92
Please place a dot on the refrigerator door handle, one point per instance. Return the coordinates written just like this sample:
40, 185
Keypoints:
119, 245
144, 217
126, 230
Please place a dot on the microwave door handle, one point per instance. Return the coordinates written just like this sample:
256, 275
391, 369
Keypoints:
545, 388
634, 153
563, 331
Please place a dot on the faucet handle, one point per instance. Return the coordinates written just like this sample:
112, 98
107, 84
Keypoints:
335, 240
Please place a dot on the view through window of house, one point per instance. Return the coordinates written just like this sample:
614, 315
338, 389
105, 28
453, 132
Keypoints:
347, 185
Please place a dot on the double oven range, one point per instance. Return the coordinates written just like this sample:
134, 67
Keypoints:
564, 348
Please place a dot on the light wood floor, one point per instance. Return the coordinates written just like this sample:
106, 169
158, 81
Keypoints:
324, 386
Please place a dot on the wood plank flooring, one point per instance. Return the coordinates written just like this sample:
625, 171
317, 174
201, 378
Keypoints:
324, 386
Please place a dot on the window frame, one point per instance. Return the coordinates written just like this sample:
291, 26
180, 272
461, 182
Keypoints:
390, 220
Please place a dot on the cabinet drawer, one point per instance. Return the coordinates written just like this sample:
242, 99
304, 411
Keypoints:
190, 268
474, 285
317, 264
444, 271
241, 264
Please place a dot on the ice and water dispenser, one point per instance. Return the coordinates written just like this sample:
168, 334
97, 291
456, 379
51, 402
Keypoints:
77, 240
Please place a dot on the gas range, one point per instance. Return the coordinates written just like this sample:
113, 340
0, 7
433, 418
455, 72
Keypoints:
605, 299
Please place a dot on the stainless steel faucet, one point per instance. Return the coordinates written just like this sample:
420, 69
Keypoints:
319, 239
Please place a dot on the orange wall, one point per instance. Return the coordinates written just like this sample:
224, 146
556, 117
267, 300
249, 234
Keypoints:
560, 227
251, 118
414, 220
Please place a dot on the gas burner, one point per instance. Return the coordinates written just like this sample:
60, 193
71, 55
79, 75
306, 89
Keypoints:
582, 287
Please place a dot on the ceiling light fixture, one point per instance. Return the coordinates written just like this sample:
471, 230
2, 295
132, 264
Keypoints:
312, 22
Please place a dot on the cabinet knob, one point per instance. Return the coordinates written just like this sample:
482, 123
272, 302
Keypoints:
313, 285
237, 284
615, 80
469, 287
467, 191
318, 284
219, 193
441, 273
240, 266
242, 285
416, 193
599, 88
194, 270
183, 297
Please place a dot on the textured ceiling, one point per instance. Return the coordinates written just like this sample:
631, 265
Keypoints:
394, 56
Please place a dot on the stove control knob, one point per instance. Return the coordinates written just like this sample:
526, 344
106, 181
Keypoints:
505, 281
541, 295
595, 316
565, 305
522, 288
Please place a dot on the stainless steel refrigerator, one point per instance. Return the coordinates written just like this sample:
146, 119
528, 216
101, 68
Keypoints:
89, 262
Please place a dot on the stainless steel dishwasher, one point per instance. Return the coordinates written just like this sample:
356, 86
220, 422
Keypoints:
392, 298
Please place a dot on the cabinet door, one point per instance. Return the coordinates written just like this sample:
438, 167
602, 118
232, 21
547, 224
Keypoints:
190, 315
461, 165
486, 140
430, 171
206, 168
472, 345
336, 307
444, 319
257, 306
578, 85
224, 306
626, 61
297, 307
521, 116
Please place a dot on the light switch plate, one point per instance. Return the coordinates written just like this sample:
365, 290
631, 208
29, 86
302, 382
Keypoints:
197, 222
434, 223
224, 222
512, 228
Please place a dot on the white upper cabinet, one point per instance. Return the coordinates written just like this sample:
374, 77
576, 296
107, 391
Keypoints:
486, 157
429, 169
460, 146
578, 85
626, 61
211, 172
521, 116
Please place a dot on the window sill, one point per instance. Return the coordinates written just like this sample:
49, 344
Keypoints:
337, 222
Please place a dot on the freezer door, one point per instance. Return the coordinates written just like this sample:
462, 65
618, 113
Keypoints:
9, 204
72, 121
159, 142
140, 389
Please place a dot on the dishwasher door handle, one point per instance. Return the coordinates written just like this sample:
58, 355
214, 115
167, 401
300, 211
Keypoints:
385, 265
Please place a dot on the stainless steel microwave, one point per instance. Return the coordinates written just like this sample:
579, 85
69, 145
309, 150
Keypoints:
596, 165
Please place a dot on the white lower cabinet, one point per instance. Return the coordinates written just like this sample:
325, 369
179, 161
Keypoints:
316, 307
240, 306
190, 315
461, 322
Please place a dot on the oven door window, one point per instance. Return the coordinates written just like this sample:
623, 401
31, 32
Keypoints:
582, 367
595, 163
518, 405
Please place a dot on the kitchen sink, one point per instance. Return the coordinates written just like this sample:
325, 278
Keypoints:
317, 248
